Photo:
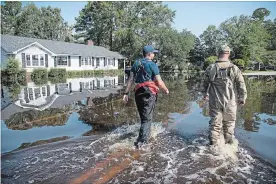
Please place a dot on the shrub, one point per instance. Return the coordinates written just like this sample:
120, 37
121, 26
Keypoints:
239, 62
12, 73
21, 77
57, 73
39, 76
210, 60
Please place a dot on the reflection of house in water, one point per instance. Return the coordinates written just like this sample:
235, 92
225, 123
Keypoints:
41, 97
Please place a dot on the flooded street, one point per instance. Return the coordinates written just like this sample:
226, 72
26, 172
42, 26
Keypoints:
96, 132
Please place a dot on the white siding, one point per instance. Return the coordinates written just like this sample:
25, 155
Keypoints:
35, 50
74, 61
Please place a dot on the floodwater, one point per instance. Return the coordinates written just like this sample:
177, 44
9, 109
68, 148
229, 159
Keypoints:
178, 152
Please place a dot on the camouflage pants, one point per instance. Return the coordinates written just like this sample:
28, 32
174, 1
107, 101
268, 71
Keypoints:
224, 117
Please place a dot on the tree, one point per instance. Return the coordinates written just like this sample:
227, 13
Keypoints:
239, 62
260, 14
10, 11
211, 39
31, 21
271, 29
210, 60
197, 54
124, 27
247, 38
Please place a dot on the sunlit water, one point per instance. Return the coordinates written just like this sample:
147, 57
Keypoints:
178, 153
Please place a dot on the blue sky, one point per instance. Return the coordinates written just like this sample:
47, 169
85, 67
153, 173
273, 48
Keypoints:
193, 16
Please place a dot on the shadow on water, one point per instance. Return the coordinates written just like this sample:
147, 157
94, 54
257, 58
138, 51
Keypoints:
178, 152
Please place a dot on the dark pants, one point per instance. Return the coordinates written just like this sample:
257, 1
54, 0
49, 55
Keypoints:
145, 102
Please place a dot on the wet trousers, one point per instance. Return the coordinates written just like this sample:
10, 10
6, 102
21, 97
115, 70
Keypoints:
145, 102
222, 117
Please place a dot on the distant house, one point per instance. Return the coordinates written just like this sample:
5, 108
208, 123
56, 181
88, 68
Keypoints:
38, 53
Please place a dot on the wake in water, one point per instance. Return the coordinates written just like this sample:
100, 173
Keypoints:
168, 158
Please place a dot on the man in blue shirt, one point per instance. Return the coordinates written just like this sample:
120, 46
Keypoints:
145, 74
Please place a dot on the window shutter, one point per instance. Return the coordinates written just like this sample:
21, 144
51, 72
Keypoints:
48, 90
55, 61
114, 62
69, 61
23, 60
46, 60
105, 61
80, 87
93, 64
56, 88
70, 87
80, 61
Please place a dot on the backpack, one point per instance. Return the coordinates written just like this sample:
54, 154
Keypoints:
223, 73
142, 71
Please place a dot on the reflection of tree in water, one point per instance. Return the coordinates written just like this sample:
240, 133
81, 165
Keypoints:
106, 113
261, 98
109, 112
33, 118
176, 101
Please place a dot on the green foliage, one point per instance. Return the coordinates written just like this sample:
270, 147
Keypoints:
247, 36
269, 58
239, 62
12, 67
271, 29
210, 60
39, 76
87, 73
260, 14
57, 73
126, 27
31, 21
12, 73
10, 11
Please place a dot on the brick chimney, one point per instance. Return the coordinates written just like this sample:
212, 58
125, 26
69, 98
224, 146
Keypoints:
89, 42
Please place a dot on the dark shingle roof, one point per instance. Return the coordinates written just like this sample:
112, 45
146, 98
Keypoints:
14, 43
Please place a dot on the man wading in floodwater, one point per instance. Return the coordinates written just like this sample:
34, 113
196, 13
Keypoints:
145, 74
223, 82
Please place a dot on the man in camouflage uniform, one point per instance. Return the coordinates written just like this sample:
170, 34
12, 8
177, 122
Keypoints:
224, 86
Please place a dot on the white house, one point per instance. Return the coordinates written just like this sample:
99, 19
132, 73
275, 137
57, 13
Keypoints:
38, 53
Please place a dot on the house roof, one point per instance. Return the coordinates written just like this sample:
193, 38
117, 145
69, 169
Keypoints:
13, 43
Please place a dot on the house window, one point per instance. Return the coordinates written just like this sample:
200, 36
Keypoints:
97, 62
98, 83
35, 60
37, 93
28, 59
93, 61
114, 62
41, 60
90, 61
109, 61
31, 95
82, 61
86, 61
62, 60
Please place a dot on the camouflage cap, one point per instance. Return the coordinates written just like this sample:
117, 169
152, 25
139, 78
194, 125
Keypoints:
224, 49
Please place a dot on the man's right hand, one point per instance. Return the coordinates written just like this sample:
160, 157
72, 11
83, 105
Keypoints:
125, 99
167, 91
